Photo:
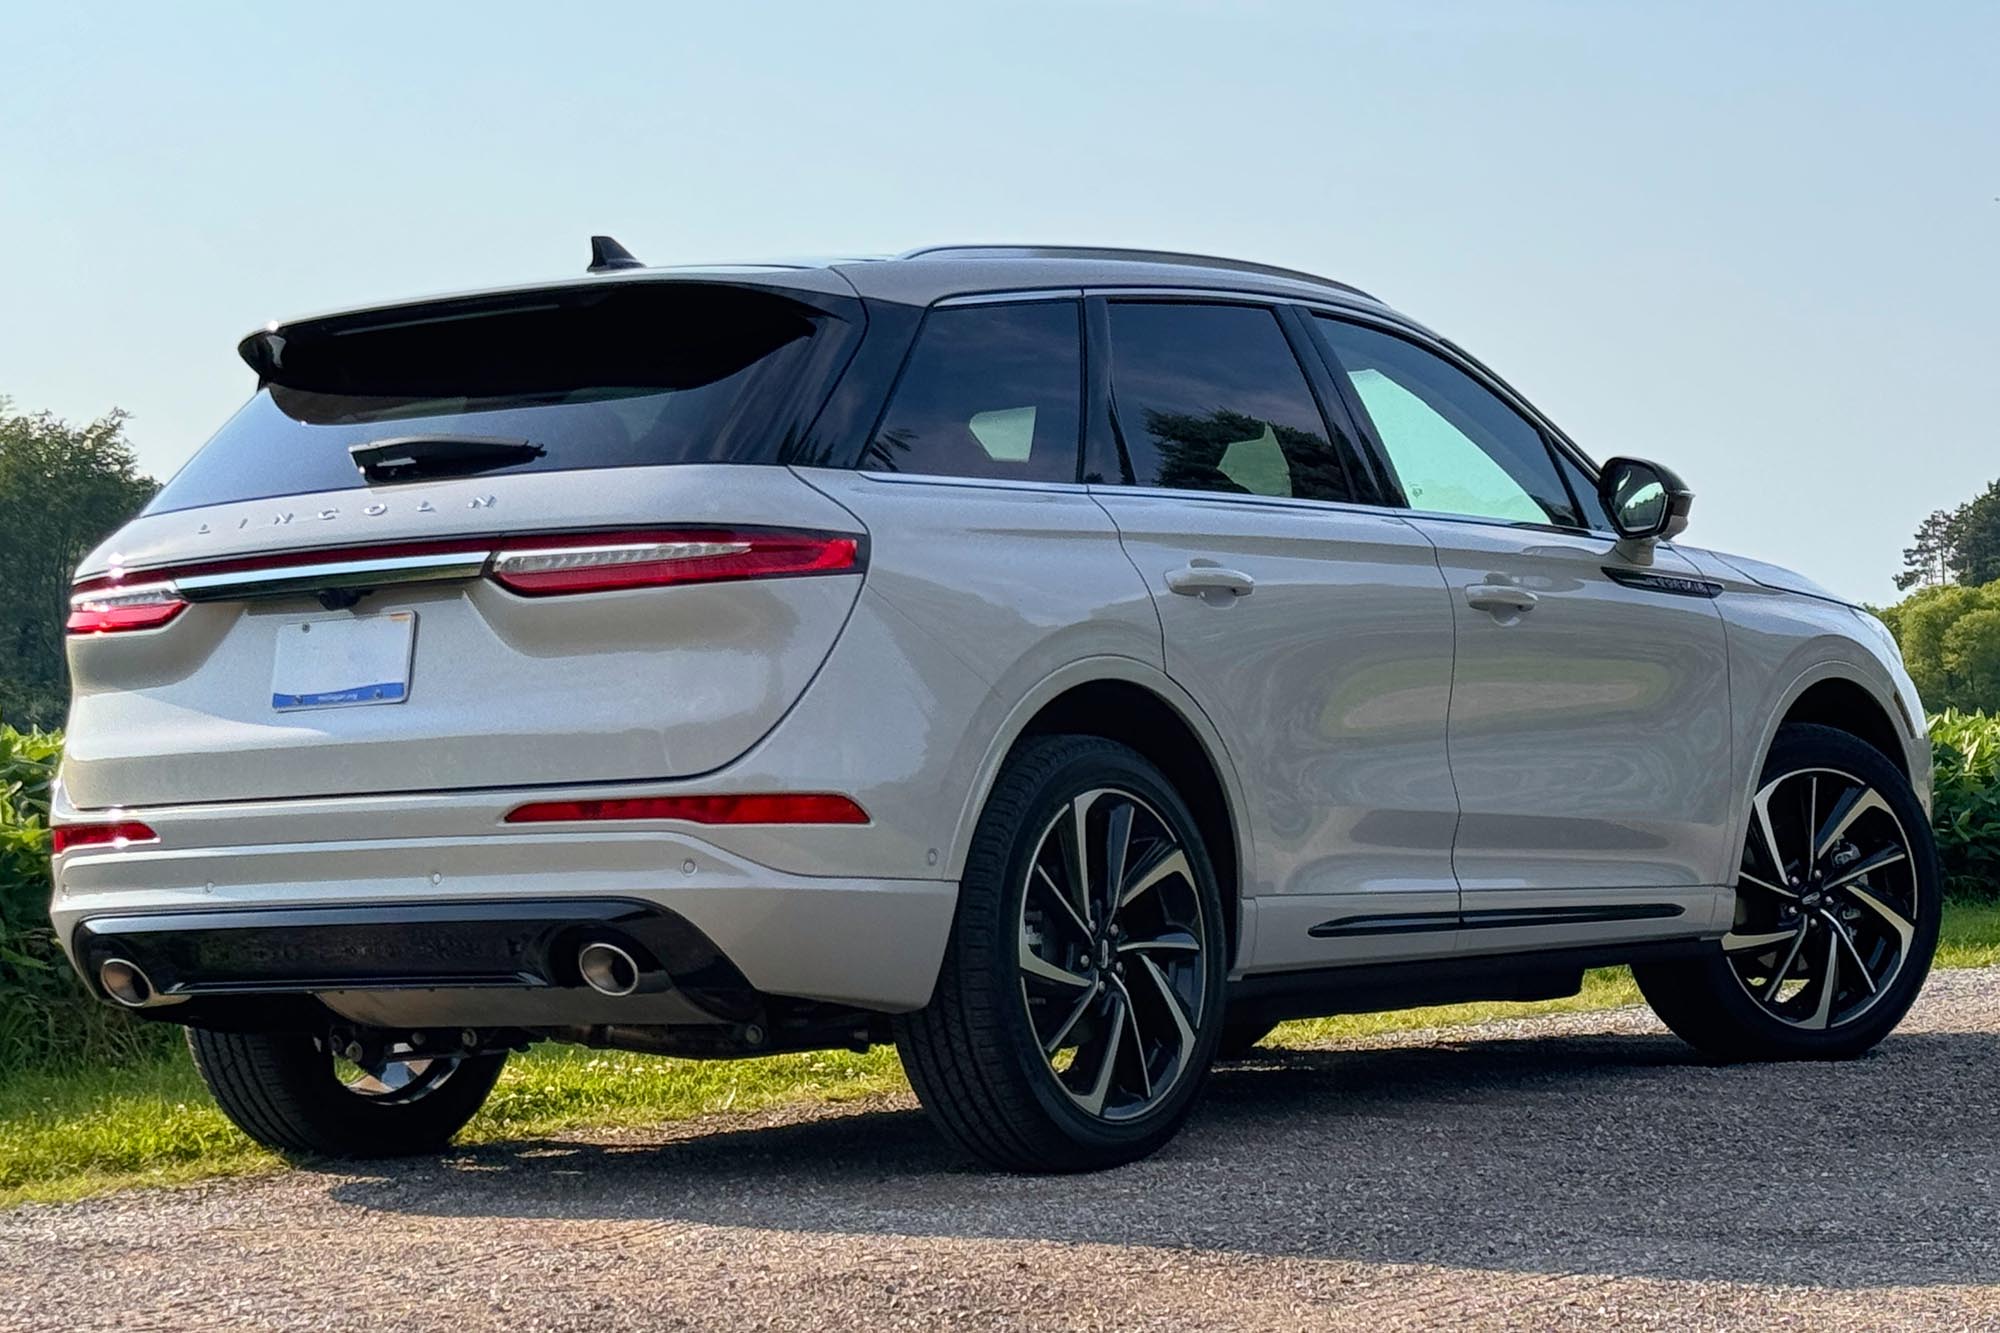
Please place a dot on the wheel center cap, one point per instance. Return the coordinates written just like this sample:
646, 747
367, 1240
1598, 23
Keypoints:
1813, 899
1104, 951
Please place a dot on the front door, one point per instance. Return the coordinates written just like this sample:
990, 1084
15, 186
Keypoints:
1589, 729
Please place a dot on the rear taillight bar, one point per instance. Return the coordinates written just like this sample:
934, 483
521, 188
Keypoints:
554, 565
588, 565
65, 837
112, 610
758, 808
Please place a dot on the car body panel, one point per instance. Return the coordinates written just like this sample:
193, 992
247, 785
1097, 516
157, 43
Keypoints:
1586, 731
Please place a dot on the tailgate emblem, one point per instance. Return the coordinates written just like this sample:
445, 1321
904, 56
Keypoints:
377, 509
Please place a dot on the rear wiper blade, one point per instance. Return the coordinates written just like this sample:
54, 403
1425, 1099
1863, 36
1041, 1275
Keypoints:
411, 456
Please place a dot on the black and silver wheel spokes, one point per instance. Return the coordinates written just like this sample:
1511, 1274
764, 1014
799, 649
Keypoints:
392, 1073
1826, 899
1112, 953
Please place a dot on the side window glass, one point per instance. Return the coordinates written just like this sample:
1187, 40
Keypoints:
1455, 446
990, 391
1210, 398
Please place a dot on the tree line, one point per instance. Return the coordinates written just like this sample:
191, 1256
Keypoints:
1949, 625
63, 489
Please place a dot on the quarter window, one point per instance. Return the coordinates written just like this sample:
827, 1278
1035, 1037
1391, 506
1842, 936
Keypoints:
1210, 398
990, 391
1455, 446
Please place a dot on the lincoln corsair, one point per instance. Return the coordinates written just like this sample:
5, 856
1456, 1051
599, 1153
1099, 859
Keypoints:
1062, 663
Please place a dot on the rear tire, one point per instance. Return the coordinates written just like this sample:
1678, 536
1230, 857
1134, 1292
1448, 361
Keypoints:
1784, 984
1072, 1025
282, 1089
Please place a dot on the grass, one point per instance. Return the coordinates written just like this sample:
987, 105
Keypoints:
67, 1136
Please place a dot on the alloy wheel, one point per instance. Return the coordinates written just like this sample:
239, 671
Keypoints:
1826, 900
395, 1073
1113, 952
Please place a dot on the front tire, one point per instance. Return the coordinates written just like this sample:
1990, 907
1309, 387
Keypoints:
1082, 989
286, 1091
1838, 904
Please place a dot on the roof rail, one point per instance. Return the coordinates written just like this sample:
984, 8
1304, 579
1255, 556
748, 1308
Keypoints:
1136, 256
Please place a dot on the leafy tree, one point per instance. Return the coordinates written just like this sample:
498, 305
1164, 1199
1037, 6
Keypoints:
63, 488
1950, 638
1976, 538
1956, 545
1929, 562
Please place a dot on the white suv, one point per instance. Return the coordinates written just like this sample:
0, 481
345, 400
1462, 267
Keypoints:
1062, 663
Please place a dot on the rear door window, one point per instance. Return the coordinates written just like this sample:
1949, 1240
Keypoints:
625, 376
1211, 398
991, 391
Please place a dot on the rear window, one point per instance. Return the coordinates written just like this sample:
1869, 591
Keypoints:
625, 376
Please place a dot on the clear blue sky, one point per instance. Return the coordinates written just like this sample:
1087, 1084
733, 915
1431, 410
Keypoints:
1757, 242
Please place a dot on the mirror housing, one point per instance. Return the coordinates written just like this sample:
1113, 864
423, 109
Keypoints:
1646, 503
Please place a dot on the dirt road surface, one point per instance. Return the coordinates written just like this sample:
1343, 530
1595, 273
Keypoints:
1553, 1173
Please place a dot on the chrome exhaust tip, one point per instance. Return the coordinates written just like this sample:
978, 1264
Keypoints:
608, 969
124, 982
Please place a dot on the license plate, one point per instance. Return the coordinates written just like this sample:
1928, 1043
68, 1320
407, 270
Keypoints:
343, 662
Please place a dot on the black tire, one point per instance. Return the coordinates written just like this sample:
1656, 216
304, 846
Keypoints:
282, 1090
1708, 1003
1240, 1037
974, 1055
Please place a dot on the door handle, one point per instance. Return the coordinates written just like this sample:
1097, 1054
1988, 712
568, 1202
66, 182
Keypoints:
1204, 576
1500, 598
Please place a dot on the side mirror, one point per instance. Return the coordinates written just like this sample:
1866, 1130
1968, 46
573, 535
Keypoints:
1646, 502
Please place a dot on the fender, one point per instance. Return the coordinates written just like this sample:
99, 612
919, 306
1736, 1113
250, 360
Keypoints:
1084, 671
1773, 715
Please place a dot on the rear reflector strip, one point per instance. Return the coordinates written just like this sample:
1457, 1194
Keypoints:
763, 808
64, 837
683, 557
113, 610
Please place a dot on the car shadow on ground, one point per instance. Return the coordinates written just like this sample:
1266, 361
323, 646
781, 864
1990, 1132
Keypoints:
1589, 1154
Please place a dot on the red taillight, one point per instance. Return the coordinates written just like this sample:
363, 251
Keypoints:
63, 837
111, 609
773, 808
602, 563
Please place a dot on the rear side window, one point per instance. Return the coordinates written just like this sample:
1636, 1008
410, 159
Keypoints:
1210, 398
622, 376
1456, 447
990, 391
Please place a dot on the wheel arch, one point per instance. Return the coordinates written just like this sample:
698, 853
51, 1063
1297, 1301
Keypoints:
1845, 704
1829, 694
1125, 700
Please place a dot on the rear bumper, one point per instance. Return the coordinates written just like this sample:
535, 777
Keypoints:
479, 911
511, 945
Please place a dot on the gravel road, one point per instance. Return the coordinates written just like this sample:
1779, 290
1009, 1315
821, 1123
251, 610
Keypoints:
1548, 1173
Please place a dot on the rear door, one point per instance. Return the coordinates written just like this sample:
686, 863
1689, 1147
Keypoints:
1590, 739
490, 542
1314, 631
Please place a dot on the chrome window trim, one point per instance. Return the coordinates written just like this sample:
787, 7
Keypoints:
1021, 297
942, 479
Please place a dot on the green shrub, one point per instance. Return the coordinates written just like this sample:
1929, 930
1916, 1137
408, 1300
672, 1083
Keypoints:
46, 1018
1966, 766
